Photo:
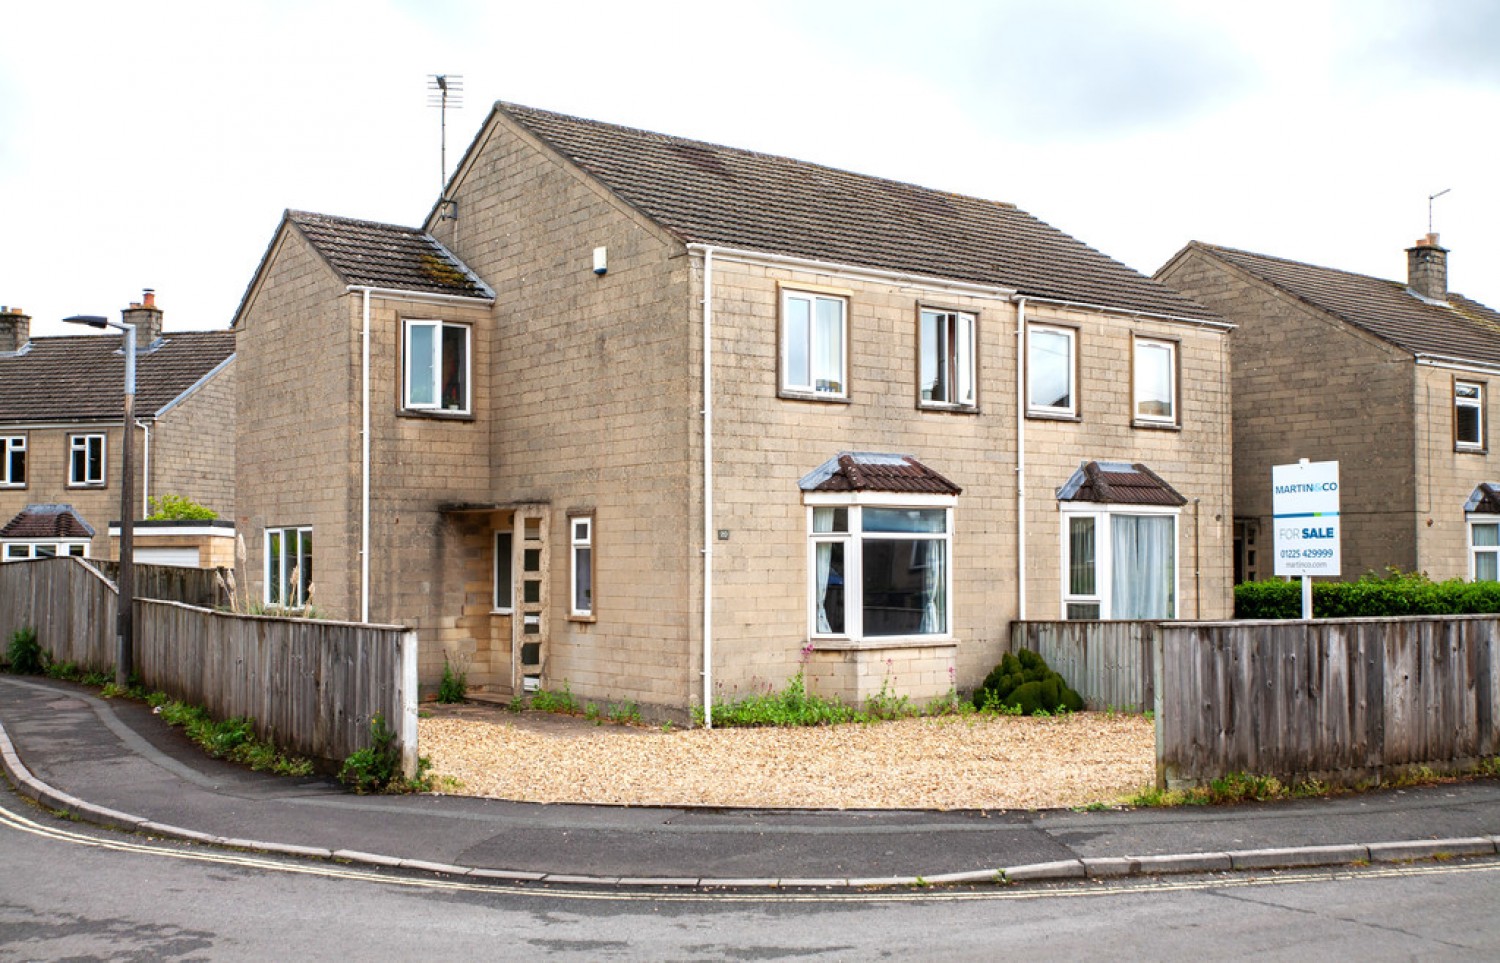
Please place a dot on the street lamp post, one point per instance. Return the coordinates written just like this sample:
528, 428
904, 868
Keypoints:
125, 625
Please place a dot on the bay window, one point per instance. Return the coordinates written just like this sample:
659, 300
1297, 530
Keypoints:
1119, 563
1484, 551
879, 567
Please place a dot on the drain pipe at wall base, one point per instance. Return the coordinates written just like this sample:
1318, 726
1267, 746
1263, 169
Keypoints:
708, 488
364, 461
1020, 459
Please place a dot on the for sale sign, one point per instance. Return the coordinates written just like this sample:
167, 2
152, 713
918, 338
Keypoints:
1305, 503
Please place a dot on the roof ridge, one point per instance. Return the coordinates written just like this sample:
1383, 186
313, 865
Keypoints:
293, 215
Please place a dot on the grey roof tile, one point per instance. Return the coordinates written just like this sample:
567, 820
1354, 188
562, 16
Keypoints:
861, 471
387, 256
1462, 328
82, 377
1117, 483
47, 521
709, 194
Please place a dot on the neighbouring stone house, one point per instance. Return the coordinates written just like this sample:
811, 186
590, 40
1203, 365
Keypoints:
61, 419
653, 418
1391, 379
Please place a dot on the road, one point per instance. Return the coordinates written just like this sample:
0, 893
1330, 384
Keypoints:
70, 891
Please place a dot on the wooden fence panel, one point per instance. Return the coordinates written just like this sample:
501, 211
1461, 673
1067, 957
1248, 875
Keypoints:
1110, 664
69, 604
204, 587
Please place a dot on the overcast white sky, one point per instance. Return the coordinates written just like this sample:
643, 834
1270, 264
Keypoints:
155, 144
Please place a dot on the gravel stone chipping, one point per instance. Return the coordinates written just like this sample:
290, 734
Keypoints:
964, 762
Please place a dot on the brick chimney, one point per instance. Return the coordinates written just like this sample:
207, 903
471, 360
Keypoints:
1427, 268
146, 317
15, 329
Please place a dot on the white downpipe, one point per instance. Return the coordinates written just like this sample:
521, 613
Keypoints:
364, 463
145, 469
1021, 459
708, 489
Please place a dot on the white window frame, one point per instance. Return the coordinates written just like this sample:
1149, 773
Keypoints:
853, 575
1151, 346
812, 389
1070, 410
304, 586
1476, 403
1103, 515
10, 446
20, 551
504, 600
1473, 550
957, 336
78, 446
438, 328
581, 539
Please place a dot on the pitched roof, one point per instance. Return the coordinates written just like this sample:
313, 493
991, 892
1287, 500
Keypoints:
82, 377
1387, 309
1485, 499
388, 256
1117, 483
47, 521
865, 471
709, 194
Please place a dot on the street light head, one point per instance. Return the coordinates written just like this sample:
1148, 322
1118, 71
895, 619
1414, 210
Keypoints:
92, 320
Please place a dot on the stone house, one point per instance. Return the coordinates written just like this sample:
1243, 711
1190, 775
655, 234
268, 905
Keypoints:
722, 417
61, 424
1389, 378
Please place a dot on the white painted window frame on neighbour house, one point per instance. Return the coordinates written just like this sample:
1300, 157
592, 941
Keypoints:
811, 367
1143, 349
1080, 600
826, 513
1038, 336
81, 460
17, 551
1468, 396
1484, 547
427, 384
582, 571
505, 590
946, 359
279, 564
13, 461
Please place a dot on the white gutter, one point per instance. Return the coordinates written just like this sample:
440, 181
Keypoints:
395, 294
1175, 318
1456, 364
1021, 459
364, 461
967, 288
708, 489
145, 469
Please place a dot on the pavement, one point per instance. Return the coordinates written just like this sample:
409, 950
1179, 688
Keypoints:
115, 764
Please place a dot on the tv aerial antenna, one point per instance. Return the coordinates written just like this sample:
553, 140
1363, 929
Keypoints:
444, 91
1430, 199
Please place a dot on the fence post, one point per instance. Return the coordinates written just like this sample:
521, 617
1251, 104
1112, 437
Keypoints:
1158, 703
407, 693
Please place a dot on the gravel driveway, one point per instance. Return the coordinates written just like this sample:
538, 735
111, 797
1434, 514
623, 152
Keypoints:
960, 762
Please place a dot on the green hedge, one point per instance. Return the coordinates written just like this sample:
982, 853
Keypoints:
1399, 593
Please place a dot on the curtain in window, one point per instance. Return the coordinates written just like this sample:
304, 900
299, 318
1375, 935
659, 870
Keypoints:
825, 557
935, 588
1486, 552
1081, 556
1144, 560
828, 346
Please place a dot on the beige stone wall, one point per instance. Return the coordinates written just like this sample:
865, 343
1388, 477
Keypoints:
47, 453
192, 446
1445, 476
1307, 385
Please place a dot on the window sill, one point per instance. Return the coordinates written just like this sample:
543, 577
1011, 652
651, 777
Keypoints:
502, 611
885, 642
1051, 416
573, 617
1156, 425
787, 395
435, 415
75, 486
947, 409
1469, 450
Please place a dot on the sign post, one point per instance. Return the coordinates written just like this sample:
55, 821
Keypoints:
1305, 510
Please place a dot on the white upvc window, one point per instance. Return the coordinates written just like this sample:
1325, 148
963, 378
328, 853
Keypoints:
879, 566
814, 344
289, 567
1468, 415
1119, 562
85, 461
946, 368
1155, 381
581, 566
1051, 366
46, 548
438, 367
13, 461
1484, 548
504, 571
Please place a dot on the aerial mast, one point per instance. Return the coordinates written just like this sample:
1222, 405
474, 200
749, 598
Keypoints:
444, 91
